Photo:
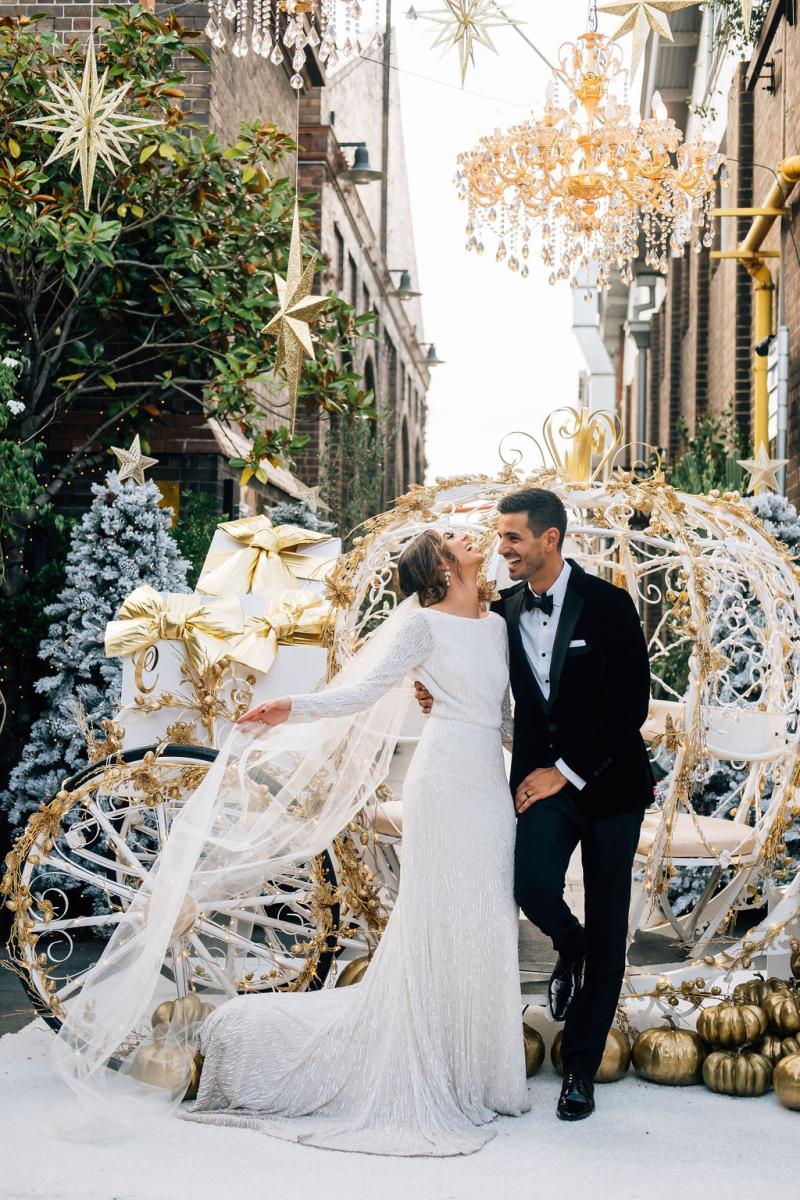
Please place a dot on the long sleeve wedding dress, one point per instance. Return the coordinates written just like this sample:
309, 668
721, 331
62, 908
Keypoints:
421, 1055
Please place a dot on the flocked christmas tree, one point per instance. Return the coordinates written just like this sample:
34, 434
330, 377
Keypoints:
123, 541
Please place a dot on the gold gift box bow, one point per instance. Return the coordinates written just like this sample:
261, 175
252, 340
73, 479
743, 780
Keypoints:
299, 618
208, 628
266, 562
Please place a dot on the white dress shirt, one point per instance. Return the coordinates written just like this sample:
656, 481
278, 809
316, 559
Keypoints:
538, 632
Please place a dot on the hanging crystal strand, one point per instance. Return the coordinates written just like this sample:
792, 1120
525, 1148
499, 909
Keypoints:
377, 37
333, 49
347, 48
357, 13
230, 10
266, 28
276, 57
214, 27
240, 46
256, 32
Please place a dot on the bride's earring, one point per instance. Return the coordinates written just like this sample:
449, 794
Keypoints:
447, 578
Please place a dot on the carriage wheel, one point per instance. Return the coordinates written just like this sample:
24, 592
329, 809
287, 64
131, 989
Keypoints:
81, 859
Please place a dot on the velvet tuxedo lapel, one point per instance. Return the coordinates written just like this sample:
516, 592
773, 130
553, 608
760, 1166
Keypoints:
514, 607
570, 611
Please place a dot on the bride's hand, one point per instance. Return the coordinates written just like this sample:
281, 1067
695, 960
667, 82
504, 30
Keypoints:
273, 712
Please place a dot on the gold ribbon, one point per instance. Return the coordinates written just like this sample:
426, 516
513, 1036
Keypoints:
299, 618
208, 629
266, 562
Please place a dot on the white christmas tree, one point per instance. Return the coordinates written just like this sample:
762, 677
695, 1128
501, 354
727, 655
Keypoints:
123, 541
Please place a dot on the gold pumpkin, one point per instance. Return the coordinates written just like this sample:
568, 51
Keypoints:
756, 991
794, 960
783, 1011
616, 1056
670, 1056
731, 1025
194, 1082
771, 1047
737, 1073
168, 1067
786, 1081
353, 972
534, 1049
189, 1010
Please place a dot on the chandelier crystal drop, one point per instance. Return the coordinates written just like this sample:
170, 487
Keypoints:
589, 180
300, 26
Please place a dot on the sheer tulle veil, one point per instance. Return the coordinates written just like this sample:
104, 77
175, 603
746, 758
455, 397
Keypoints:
268, 800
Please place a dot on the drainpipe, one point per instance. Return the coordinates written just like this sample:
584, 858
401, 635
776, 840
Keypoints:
763, 287
776, 201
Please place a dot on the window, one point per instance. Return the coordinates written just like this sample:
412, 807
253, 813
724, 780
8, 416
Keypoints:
353, 272
339, 260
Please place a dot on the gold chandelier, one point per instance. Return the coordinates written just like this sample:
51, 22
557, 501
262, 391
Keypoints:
588, 179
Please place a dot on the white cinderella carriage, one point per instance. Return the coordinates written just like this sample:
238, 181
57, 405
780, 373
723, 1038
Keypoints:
719, 601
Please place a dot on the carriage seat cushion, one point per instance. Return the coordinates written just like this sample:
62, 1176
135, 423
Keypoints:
388, 818
720, 834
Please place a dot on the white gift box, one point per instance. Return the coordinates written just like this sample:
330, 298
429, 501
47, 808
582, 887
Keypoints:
307, 563
151, 672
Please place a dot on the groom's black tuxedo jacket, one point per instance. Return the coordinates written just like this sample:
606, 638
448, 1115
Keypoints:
599, 695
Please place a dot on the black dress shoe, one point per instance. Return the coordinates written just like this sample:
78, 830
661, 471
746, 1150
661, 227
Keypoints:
576, 1101
564, 985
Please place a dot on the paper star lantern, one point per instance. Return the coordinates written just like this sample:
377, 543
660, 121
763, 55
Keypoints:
297, 308
465, 22
763, 469
132, 463
640, 17
88, 124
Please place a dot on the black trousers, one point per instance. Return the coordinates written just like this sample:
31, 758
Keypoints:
547, 834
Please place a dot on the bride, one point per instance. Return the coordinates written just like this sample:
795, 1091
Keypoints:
419, 1057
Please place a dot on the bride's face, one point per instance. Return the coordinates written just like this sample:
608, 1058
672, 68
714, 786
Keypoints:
462, 549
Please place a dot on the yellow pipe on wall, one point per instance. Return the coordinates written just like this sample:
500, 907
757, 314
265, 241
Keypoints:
787, 176
762, 303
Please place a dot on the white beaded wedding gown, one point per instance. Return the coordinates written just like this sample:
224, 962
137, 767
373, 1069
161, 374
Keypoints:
422, 1054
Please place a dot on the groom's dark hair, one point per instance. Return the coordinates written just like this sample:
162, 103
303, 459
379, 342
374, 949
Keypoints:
542, 507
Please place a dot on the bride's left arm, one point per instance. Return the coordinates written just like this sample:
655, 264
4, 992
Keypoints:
410, 648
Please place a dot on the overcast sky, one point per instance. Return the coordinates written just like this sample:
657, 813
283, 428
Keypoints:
510, 353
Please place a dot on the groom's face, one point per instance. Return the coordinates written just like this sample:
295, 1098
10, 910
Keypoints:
527, 554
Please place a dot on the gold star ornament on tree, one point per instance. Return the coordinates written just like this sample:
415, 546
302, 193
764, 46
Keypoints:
763, 470
297, 308
132, 463
643, 17
87, 122
463, 23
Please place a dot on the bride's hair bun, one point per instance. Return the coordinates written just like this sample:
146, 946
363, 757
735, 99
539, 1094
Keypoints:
423, 565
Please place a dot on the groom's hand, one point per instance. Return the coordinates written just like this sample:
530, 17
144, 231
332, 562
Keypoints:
541, 783
424, 698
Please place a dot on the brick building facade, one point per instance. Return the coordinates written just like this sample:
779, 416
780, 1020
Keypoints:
700, 336
363, 231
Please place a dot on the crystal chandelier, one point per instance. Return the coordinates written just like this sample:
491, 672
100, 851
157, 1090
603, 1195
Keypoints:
587, 179
256, 26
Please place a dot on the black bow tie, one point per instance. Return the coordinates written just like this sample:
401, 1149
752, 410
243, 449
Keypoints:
545, 602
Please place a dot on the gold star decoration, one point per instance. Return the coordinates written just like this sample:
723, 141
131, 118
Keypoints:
297, 307
763, 469
465, 22
87, 122
642, 16
132, 463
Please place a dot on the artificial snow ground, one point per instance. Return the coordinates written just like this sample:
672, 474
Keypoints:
643, 1142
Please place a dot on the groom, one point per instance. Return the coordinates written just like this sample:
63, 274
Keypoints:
580, 773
